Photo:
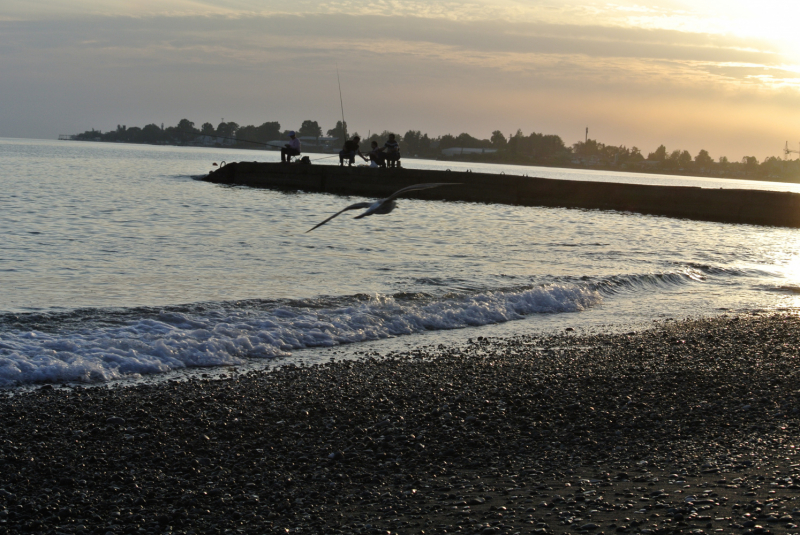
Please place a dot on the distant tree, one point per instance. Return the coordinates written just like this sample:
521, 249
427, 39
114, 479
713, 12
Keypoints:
515, 142
151, 133
90, 135
590, 147
659, 155
227, 129
186, 125
636, 154
772, 166
545, 147
310, 128
723, 161
269, 131
750, 163
133, 134
183, 132
468, 142
256, 136
498, 140
678, 158
339, 131
447, 141
703, 159
247, 134
411, 142
415, 143
207, 129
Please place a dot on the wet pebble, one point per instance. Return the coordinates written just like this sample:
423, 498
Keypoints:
528, 434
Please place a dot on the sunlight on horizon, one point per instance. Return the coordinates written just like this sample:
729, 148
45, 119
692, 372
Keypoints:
728, 71
771, 20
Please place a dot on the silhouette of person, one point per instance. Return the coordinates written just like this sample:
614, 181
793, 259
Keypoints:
349, 151
392, 148
376, 154
290, 149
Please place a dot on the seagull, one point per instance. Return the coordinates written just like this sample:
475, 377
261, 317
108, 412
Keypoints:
384, 206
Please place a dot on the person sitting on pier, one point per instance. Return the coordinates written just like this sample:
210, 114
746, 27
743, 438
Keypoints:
377, 156
351, 148
392, 148
290, 149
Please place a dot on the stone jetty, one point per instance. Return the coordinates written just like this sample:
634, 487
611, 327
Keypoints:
743, 206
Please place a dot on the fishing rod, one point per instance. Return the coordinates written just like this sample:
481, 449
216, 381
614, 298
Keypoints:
341, 103
256, 142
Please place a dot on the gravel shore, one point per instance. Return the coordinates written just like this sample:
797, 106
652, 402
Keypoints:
690, 427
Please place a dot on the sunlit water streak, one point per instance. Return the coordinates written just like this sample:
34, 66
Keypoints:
115, 262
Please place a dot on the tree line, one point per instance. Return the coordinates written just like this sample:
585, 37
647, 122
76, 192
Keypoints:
533, 149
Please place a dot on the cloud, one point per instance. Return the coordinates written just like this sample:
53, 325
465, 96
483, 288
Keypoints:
429, 71
244, 39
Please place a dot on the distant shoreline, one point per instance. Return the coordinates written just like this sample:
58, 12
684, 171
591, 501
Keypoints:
474, 158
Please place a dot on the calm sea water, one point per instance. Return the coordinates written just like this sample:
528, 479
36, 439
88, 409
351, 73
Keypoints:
115, 262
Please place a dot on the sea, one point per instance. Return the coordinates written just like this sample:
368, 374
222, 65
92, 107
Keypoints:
118, 264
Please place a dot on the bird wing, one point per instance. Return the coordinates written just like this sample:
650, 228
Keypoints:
355, 206
418, 187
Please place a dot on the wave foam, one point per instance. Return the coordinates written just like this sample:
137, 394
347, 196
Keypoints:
98, 350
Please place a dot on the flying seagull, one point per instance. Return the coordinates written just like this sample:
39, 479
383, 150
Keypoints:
384, 206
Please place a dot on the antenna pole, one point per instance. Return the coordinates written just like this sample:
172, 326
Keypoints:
341, 103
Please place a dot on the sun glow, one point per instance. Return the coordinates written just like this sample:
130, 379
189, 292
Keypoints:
773, 21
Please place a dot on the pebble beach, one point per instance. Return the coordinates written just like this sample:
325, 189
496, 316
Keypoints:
688, 427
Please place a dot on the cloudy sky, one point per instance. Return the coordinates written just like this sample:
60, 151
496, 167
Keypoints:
721, 75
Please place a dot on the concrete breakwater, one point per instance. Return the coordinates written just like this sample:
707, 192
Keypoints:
754, 207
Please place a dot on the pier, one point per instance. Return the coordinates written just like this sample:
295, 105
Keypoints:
755, 207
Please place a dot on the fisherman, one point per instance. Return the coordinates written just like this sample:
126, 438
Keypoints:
376, 155
392, 148
290, 149
349, 151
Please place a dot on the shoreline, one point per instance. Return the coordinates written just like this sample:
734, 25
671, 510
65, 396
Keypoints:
642, 170
690, 425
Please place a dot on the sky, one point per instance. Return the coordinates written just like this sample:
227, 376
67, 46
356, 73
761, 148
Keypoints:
723, 76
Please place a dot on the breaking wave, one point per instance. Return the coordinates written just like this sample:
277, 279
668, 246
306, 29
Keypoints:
103, 345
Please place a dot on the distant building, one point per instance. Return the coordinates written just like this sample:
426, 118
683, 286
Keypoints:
457, 151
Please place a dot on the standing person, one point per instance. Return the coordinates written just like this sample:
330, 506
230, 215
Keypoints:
392, 148
349, 151
290, 149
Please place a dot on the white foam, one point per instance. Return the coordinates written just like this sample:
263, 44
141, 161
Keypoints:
174, 340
